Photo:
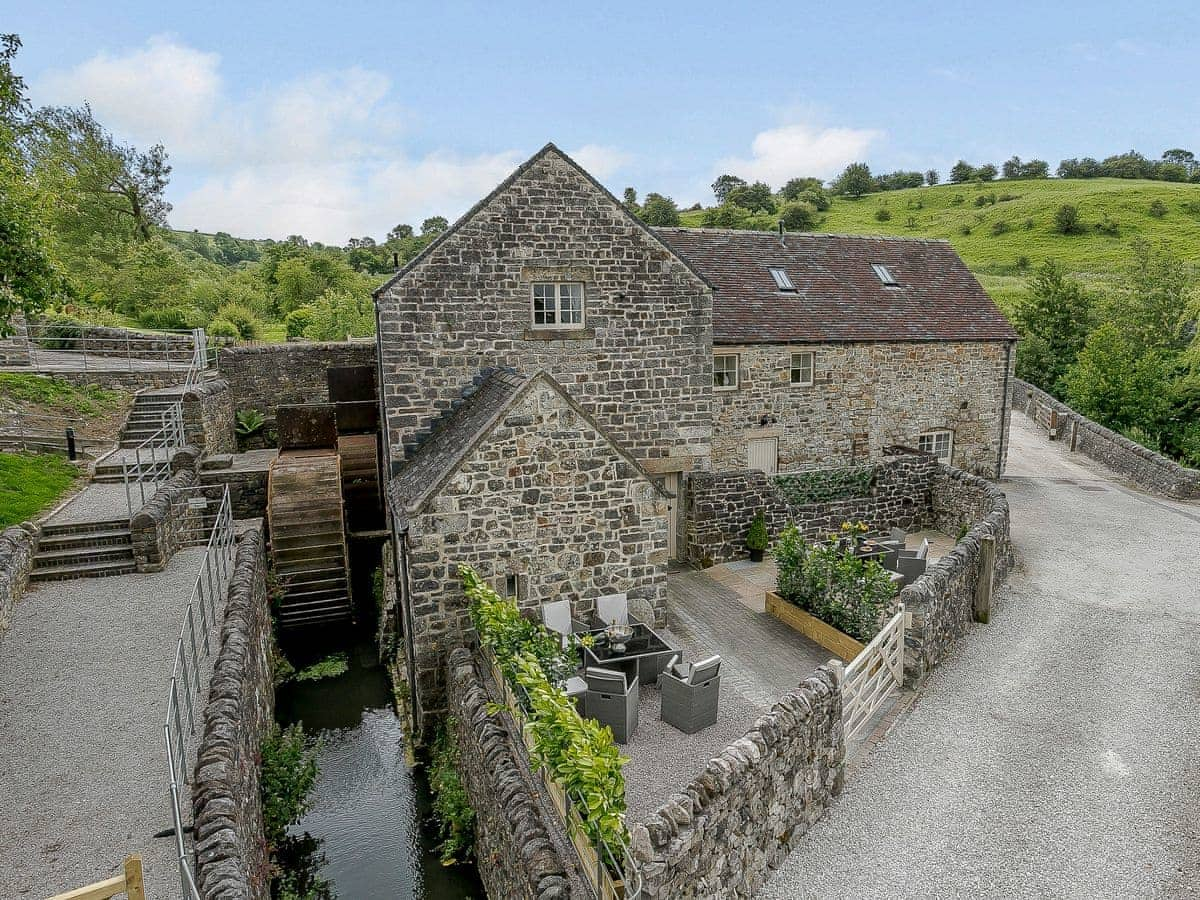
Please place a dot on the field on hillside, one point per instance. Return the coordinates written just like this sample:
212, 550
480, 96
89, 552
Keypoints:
1001, 255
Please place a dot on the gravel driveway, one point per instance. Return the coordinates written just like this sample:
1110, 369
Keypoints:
1057, 753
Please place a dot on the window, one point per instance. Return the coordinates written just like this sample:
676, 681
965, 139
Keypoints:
885, 275
781, 279
802, 369
939, 443
557, 304
725, 372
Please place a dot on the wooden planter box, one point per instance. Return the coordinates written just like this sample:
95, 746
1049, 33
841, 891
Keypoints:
813, 628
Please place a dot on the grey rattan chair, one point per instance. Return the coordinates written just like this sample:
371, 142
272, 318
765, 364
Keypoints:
612, 699
690, 694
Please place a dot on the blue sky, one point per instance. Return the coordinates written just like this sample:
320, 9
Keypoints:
334, 122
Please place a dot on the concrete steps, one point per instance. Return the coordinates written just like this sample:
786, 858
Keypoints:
84, 550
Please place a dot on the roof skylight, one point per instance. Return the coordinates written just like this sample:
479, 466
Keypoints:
885, 275
781, 279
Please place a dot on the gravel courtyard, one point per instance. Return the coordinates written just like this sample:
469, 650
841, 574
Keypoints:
1055, 755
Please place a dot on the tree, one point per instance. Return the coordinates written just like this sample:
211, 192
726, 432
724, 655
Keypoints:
1079, 168
797, 186
724, 184
819, 199
798, 216
1066, 219
854, 181
400, 232
755, 197
1035, 168
898, 181
1114, 382
659, 210
1012, 167
631, 199
932, 177
1054, 318
1184, 158
433, 226
986, 172
961, 172
727, 215
1154, 306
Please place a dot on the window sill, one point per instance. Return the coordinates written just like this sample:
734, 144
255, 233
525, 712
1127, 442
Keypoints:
559, 334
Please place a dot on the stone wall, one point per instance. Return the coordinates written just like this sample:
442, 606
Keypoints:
246, 479
268, 376
1148, 470
100, 340
546, 499
18, 544
864, 397
208, 419
231, 851
721, 506
14, 349
166, 522
641, 361
518, 860
723, 834
942, 603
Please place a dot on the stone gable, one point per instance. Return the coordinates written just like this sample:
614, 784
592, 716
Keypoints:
641, 362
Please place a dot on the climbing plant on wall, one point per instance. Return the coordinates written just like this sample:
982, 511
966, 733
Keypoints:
826, 485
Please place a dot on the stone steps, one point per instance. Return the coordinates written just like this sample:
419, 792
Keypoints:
84, 550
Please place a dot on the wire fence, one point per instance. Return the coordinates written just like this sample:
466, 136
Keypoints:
198, 638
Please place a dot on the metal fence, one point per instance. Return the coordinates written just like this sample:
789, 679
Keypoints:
40, 433
72, 346
147, 464
198, 638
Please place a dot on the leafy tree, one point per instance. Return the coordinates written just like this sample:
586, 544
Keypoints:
1011, 167
819, 199
400, 232
724, 184
630, 200
755, 197
797, 186
1154, 306
1066, 219
986, 172
798, 216
898, 181
659, 210
932, 177
1127, 165
433, 226
1079, 168
1054, 318
855, 181
336, 314
961, 172
727, 215
1114, 382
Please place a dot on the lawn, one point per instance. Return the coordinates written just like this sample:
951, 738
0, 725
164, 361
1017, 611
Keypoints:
30, 482
58, 396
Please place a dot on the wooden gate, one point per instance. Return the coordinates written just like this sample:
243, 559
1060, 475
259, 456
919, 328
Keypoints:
873, 676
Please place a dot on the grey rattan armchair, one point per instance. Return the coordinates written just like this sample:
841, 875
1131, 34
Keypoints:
612, 699
690, 694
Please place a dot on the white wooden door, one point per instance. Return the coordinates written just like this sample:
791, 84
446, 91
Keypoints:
671, 483
763, 454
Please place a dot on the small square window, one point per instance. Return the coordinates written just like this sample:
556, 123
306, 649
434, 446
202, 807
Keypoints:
782, 281
885, 275
557, 304
802, 369
725, 372
937, 443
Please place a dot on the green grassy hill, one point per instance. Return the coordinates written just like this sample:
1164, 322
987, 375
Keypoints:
1001, 260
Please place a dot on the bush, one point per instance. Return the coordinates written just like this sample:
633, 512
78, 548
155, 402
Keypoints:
1108, 226
798, 216
985, 200
757, 538
249, 421
451, 806
1158, 209
819, 199
964, 229
289, 773
1022, 263
999, 227
855, 596
298, 320
242, 318
882, 214
219, 328
1029, 224
958, 200
167, 318
1066, 220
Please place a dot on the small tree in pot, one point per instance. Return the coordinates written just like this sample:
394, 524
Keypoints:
757, 538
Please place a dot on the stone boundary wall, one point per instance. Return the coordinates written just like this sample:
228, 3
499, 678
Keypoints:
1145, 468
518, 860
231, 851
103, 340
721, 506
941, 603
208, 417
18, 544
247, 487
724, 833
166, 522
267, 376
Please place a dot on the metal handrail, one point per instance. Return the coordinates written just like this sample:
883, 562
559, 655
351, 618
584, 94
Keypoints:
149, 465
193, 647
165, 346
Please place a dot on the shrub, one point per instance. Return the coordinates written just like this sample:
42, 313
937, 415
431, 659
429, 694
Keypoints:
798, 216
1108, 226
985, 200
249, 421
826, 485
757, 538
964, 229
289, 773
1066, 219
855, 596
167, 318
451, 806
882, 214
958, 200
298, 320
999, 227
1029, 224
219, 328
1158, 209
819, 199
1022, 263
330, 667
242, 318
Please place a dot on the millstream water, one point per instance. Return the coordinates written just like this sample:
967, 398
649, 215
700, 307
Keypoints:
370, 809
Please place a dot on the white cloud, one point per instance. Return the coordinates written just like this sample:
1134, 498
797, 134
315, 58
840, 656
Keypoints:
800, 150
322, 155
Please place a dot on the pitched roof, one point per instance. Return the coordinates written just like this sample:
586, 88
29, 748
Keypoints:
463, 429
549, 149
838, 295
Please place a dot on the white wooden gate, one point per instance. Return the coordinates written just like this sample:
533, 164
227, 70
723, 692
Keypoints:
763, 454
873, 676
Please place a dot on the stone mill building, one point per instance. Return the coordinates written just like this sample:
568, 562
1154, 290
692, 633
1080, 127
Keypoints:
551, 371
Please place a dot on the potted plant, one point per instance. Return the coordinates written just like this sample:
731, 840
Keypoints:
756, 538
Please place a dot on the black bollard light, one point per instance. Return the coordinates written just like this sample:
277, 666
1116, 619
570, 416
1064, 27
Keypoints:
71, 444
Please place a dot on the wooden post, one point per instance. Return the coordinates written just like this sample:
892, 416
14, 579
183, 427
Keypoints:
983, 588
134, 887
1054, 424
1074, 433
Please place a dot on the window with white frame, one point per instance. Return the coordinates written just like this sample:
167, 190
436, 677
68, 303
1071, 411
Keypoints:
557, 304
802, 369
725, 372
939, 443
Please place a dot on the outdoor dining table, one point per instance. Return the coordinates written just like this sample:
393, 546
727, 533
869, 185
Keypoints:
645, 653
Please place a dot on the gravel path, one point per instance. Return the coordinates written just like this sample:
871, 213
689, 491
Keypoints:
98, 502
83, 677
1055, 755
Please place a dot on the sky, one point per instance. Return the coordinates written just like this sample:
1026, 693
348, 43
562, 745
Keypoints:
335, 121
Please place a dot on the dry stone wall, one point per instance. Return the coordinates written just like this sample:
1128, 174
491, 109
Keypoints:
18, 544
865, 397
208, 419
1145, 468
721, 506
274, 375
166, 522
518, 859
100, 340
231, 851
739, 819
